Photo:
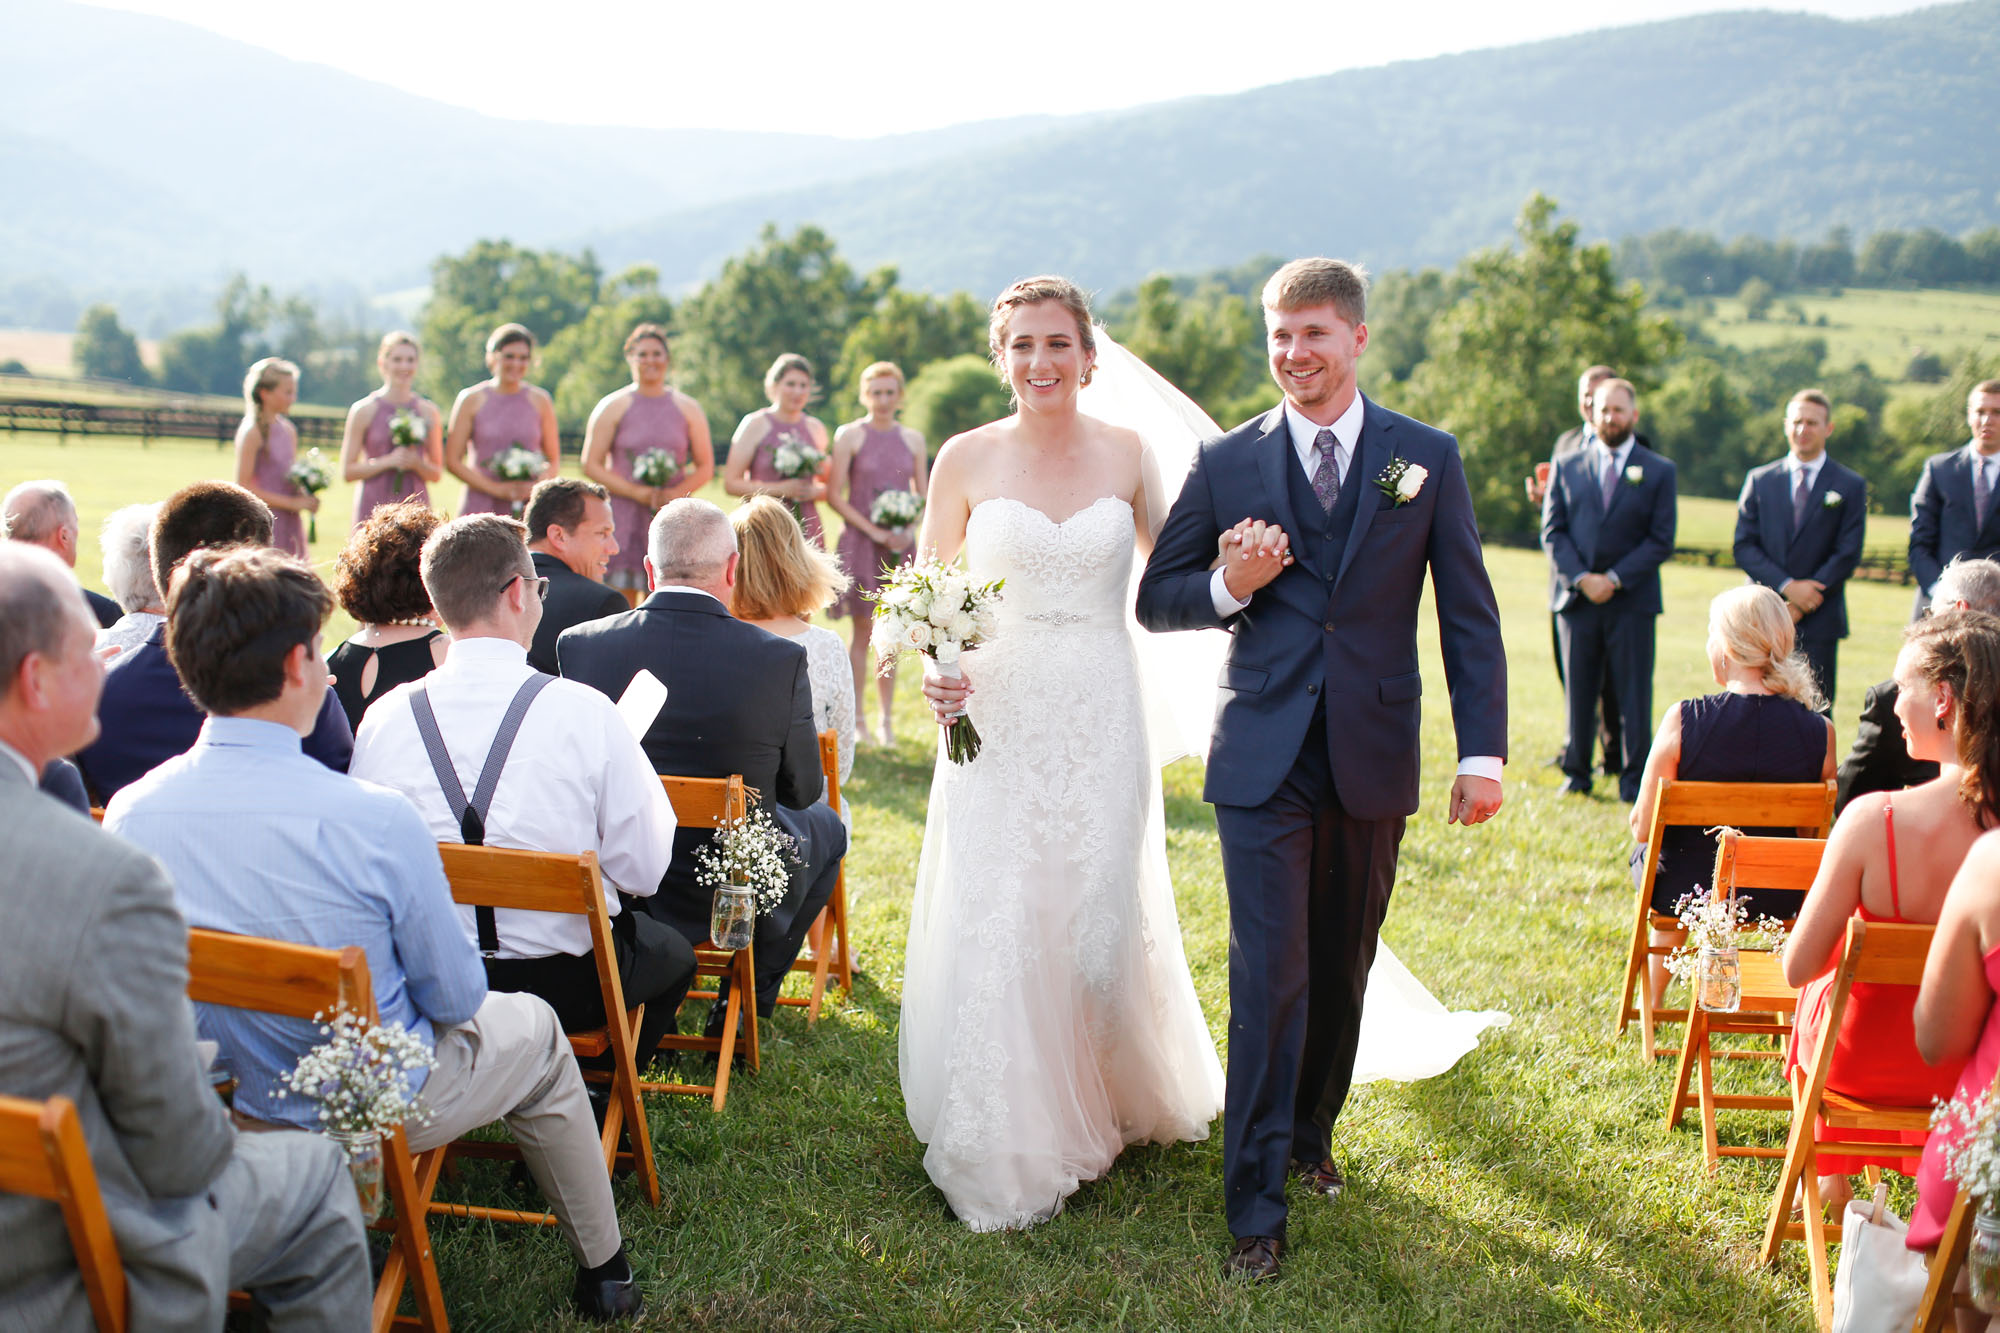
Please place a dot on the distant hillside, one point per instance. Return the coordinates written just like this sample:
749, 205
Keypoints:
1778, 124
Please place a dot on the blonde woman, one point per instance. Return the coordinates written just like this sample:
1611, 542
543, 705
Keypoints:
752, 467
871, 456
491, 417
1760, 727
267, 445
391, 472
782, 581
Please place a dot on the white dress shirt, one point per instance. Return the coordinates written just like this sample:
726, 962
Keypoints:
1346, 430
1985, 463
1794, 466
575, 781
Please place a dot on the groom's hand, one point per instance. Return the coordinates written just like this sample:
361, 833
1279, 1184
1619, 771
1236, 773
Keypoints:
1474, 800
1255, 552
946, 696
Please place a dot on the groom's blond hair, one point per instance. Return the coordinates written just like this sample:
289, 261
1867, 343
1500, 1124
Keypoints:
1305, 283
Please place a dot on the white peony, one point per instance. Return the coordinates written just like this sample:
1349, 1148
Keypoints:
1411, 481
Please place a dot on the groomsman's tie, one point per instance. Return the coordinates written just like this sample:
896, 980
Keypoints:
1326, 478
1799, 495
1982, 492
1610, 479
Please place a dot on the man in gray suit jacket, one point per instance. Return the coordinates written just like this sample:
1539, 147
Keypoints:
1952, 511
94, 1008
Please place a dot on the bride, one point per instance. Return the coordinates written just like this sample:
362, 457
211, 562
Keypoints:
1048, 1016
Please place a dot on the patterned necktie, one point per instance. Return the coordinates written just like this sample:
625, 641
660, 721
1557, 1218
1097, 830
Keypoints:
1610, 477
1799, 495
1326, 478
1982, 492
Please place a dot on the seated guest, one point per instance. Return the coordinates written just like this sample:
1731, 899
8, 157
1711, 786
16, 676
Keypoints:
147, 715
1891, 858
41, 513
572, 536
128, 572
781, 582
376, 580
572, 779
1880, 759
261, 841
94, 1008
739, 700
1762, 727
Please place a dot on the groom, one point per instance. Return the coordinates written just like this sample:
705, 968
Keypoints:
1313, 767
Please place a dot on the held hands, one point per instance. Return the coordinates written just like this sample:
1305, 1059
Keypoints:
946, 696
1804, 596
1253, 553
805, 488
308, 503
895, 539
1474, 800
1597, 587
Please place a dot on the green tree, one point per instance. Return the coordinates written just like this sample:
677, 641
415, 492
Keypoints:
954, 395
786, 294
1699, 418
911, 329
587, 360
1933, 422
1503, 361
105, 349
1757, 296
494, 283
1207, 345
211, 358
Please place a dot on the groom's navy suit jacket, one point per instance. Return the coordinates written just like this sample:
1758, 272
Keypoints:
1341, 627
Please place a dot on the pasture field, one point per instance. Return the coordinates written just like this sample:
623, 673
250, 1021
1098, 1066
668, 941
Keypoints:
1706, 521
1882, 327
1532, 1187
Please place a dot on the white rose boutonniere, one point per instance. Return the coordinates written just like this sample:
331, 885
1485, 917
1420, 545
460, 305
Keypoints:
1401, 480
1634, 475
1832, 499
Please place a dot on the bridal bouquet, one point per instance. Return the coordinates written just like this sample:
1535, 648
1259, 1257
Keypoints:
748, 863
517, 462
935, 609
898, 510
406, 431
310, 475
1716, 928
656, 467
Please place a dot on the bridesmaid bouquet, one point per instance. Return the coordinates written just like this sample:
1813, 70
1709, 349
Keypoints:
406, 431
936, 609
794, 459
656, 467
517, 462
899, 510
310, 475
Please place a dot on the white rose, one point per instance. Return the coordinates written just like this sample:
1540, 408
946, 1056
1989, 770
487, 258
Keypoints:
1411, 482
946, 652
918, 635
987, 620
953, 588
1635, 474
963, 626
919, 605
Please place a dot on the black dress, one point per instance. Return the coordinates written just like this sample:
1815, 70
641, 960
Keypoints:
1738, 738
397, 664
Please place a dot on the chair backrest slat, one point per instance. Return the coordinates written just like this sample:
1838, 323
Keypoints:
276, 977
1893, 954
528, 881
1745, 862
829, 764
24, 1166
1746, 804
710, 801
43, 1155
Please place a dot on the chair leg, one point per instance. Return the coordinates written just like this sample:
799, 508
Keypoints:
1635, 966
1798, 1156
1677, 1100
1698, 1023
1816, 1243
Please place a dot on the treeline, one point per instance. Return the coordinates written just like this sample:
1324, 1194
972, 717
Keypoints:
1676, 264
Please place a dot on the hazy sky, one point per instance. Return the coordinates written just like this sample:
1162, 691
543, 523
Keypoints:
884, 66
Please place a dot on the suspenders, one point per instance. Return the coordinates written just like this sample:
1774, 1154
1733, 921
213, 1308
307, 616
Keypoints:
472, 814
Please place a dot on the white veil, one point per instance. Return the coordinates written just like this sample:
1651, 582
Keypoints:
1177, 671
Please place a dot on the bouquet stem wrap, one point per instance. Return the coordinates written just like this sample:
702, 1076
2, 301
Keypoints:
961, 738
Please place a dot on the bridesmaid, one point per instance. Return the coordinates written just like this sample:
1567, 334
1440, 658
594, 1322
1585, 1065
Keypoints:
503, 411
646, 414
870, 456
266, 447
369, 456
750, 470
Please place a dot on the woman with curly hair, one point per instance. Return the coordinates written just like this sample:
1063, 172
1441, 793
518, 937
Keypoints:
377, 581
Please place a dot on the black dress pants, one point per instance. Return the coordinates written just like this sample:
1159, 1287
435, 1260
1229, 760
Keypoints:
655, 968
1607, 644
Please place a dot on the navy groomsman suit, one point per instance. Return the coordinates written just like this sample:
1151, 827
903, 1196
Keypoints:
1778, 541
1945, 521
1627, 539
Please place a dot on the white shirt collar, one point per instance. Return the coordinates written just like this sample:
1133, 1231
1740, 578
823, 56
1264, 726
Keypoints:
1618, 455
1979, 459
1346, 429
682, 587
1794, 465
9, 752
483, 649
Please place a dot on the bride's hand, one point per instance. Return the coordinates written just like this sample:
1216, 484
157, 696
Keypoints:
947, 696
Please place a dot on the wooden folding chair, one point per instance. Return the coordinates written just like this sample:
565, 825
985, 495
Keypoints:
1806, 806
298, 981
712, 801
43, 1155
572, 885
1768, 1002
1947, 1260
828, 949
1882, 954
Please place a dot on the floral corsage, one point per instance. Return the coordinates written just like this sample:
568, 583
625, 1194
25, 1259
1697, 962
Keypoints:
1634, 475
1401, 480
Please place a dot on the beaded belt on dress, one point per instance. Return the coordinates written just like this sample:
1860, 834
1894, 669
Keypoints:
1057, 617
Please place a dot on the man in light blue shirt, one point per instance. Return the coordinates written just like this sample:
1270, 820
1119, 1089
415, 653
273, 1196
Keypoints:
261, 840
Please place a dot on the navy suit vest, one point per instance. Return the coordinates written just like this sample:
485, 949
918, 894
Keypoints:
1322, 538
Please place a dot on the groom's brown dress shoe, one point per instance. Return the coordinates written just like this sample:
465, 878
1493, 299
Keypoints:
1321, 1178
1253, 1258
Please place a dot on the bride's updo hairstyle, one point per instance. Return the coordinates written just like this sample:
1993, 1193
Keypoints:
1034, 291
1305, 283
1751, 627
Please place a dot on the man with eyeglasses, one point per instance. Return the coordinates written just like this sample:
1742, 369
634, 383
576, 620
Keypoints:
566, 775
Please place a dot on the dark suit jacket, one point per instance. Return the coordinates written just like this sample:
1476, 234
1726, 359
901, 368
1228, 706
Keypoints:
147, 719
1880, 759
1346, 634
738, 701
573, 599
106, 610
1632, 539
62, 780
1941, 518
1826, 547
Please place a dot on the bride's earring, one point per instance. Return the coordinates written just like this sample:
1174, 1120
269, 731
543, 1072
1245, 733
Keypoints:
1084, 381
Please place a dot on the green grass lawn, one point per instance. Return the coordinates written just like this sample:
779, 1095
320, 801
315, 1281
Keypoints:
1703, 521
1532, 1187
1881, 327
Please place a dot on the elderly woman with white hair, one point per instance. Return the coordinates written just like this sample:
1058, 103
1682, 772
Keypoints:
128, 571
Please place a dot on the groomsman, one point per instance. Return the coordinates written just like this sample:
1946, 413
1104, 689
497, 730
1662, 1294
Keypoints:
1608, 524
1799, 525
1576, 437
1952, 509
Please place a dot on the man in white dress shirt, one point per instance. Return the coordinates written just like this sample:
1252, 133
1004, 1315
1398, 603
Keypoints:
573, 780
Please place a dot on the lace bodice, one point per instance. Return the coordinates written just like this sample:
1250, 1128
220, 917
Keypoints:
1058, 574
